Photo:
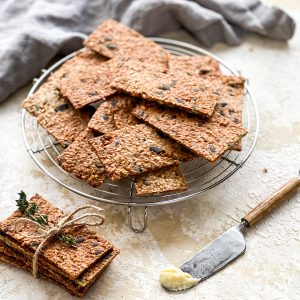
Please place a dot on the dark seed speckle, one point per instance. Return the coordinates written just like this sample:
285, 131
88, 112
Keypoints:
105, 117
95, 244
34, 244
62, 107
155, 150
203, 71
179, 100
79, 240
165, 87
92, 94
112, 47
98, 251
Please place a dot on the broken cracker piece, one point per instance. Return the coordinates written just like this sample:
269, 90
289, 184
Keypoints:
80, 160
55, 114
103, 120
168, 179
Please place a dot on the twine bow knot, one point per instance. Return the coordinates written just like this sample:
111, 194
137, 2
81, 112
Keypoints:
48, 232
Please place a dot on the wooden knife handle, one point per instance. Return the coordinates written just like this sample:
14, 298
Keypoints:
266, 206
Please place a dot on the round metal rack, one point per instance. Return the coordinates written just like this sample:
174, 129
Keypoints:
200, 175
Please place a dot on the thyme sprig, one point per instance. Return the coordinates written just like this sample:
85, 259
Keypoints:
68, 239
30, 210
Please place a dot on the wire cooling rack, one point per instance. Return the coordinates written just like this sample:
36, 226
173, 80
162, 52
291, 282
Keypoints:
200, 175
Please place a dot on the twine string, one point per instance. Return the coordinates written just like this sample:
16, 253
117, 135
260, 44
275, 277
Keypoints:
47, 233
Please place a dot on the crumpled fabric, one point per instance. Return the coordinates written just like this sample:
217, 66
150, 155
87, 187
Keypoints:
32, 32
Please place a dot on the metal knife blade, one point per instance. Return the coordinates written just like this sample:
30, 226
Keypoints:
217, 254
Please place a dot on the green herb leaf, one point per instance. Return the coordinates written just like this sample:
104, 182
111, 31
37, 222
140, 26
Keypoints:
68, 239
22, 202
31, 210
43, 220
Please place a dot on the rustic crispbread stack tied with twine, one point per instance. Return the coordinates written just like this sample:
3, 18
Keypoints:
75, 268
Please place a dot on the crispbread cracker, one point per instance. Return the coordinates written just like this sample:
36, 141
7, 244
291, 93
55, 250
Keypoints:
124, 118
113, 39
168, 179
103, 119
80, 160
91, 85
231, 101
78, 64
55, 113
196, 94
193, 65
207, 138
136, 149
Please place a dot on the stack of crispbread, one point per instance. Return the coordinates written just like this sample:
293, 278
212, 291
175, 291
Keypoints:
154, 110
75, 268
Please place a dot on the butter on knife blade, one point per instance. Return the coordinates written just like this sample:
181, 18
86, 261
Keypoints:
174, 279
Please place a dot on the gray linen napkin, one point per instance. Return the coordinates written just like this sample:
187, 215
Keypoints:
34, 31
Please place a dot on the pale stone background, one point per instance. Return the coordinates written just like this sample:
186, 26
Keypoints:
270, 269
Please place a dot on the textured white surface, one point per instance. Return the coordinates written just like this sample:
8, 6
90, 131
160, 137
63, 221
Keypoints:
270, 268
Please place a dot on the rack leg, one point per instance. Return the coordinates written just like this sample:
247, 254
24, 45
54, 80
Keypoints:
143, 227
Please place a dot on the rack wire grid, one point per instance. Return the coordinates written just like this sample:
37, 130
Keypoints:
200, 175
